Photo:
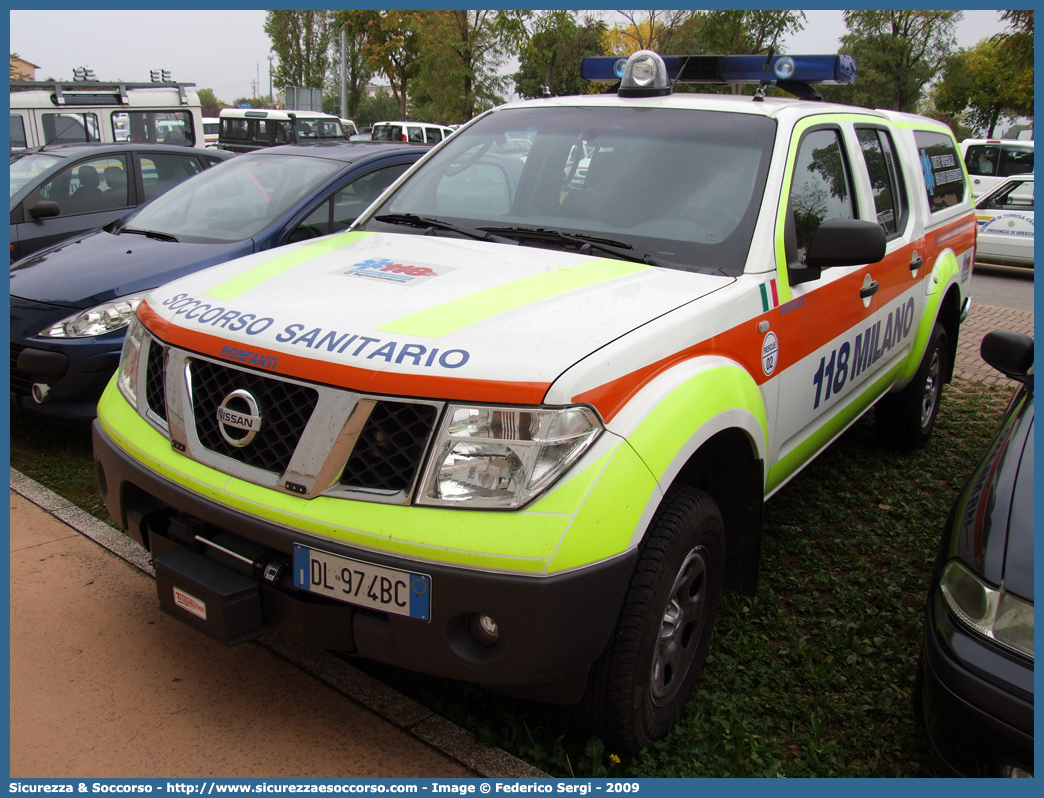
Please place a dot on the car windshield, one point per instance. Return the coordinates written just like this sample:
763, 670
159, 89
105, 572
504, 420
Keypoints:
235, 199
27, 165
673, 187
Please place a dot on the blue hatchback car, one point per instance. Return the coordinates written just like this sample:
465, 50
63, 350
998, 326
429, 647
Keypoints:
71, 303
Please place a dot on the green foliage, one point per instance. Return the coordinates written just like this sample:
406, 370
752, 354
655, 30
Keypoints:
381, 107
389, 43
898, 53
553, 53
209, 102
302, 41
992, 80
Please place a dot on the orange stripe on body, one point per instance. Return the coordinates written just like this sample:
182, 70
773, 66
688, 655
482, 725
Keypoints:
352, 377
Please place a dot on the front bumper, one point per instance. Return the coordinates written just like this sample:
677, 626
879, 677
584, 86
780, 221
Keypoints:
978, 700
551, 627
73, 371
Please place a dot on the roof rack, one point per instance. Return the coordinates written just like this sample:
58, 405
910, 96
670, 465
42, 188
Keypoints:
66, 90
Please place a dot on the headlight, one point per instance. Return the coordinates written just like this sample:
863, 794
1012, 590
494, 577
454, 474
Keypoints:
127, 373
503, 457
109, 317
993, 613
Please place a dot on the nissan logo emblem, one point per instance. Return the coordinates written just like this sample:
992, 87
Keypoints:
239, 418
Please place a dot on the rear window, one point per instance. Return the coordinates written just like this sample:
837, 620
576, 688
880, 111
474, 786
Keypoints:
998, 160
387, 133
941, 170
18, 141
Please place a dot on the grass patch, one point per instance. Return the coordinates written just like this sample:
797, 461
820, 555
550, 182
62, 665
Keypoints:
812, 677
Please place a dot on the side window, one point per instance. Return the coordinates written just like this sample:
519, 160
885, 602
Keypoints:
433, 135
316, 224
162, 171
161, 127
941, 169
90, 186
416, 135
820, 190
1019, 197
356, 197
235, 129
1015, 161
18, 141
481, 190
70, 128
882, 166
982, 159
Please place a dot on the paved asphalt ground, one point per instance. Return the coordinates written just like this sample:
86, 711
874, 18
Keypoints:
104, 685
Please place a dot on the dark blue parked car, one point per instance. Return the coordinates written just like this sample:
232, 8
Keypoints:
71, 303
62, 190
975, 682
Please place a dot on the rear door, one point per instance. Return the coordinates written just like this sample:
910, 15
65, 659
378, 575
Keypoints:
834, 341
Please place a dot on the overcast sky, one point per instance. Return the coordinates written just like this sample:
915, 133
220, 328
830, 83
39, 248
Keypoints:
227, 51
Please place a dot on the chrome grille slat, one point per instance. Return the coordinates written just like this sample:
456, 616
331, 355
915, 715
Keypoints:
314, 439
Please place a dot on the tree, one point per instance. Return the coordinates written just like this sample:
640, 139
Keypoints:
358, 70
392, 46
301, 39
744, 32
210, 103
898, 53
459, 75
551, 58
648, 30
381, 107
980, 86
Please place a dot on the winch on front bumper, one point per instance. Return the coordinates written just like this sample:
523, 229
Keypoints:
230, 574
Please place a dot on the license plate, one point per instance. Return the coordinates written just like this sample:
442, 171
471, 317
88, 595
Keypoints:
362, 584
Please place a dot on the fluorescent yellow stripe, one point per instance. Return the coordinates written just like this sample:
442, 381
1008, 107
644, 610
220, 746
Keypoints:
241, 283
434, 322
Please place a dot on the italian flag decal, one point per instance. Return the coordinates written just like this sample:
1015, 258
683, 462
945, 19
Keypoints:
769, 295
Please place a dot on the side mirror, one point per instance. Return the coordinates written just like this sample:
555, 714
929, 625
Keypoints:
846, 242
1011, 353
45, 209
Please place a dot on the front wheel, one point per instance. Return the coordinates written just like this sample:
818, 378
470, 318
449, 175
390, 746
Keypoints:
905, 420
640, 684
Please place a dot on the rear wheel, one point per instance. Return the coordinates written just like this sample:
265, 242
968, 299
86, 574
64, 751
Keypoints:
638, 688
905, 420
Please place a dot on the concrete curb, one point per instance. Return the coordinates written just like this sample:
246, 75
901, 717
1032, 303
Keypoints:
398, 710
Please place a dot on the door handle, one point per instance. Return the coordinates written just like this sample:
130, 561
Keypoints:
868, 291
916, 262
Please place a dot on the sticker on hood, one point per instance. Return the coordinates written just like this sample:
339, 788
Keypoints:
388, 271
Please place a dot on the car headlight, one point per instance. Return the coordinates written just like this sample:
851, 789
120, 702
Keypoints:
992, 612
501, 456
106, 318
127, 373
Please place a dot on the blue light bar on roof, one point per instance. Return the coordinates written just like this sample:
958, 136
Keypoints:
734, 68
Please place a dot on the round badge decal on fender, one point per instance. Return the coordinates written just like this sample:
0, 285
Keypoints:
239, 418
769, 354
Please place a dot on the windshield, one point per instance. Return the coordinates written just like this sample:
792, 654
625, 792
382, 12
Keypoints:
680, 188
235, 199
25, 166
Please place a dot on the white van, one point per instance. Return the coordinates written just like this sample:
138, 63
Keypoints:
410, 132
248, 129
211, 126
992, 161
57, 112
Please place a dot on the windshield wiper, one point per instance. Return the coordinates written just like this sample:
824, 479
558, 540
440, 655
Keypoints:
154, 234
430, 223
584, 243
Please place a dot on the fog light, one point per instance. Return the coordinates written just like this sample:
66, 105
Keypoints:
485, 630
41, 392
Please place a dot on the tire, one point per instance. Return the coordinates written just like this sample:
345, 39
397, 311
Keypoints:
905, 420
640, 684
